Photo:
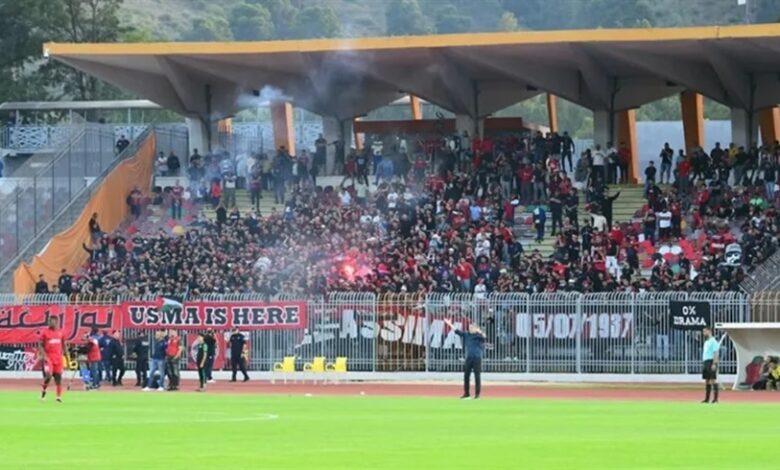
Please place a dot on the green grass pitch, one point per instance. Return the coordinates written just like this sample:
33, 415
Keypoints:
220, 431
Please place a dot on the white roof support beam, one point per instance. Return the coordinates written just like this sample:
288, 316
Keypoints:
149, 85
191, 94
736, 82
557, 80
598, 81
696, 77
461, 91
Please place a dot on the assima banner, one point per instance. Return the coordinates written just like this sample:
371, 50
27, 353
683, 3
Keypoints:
217, 315
22, 324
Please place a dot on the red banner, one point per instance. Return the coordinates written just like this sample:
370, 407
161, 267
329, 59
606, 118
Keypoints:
20, 324
217, 315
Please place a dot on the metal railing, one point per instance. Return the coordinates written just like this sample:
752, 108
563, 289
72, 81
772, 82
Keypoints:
616, 333
55, 197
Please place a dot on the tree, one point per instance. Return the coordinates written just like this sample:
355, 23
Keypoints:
317, 22
284, 15
212, 28
76, 21
404, 17
450, 21
508, 22
251, 22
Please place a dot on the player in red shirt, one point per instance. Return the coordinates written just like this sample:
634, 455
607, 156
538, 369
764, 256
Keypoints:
52, 352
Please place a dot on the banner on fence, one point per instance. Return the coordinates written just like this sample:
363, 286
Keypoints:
410, 328
15, 358
22, 324
218, 315
687, 315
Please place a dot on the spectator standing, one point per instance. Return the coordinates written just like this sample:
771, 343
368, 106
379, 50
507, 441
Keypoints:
122, 144
255, 188
177, 199
229, 190
172, 357
320, 150
105, 356
158, 364
599, 159
117, 359
612, 164
770, 176
174, 165
567, 150
650, 173
664, 224
556, 208
237, 351
540, 217
141, 356
666, 155
134, 200
93, 358
94, 227
65, 283
201, 355
211, 351
624, 161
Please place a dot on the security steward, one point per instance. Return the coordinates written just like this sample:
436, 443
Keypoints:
141, 356
237, 346
474, 343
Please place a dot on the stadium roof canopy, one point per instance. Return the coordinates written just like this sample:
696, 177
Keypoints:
471, 74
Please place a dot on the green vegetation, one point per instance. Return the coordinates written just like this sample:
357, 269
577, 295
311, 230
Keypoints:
26, 25
150, 430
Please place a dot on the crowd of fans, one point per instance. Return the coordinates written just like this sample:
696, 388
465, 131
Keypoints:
441, 217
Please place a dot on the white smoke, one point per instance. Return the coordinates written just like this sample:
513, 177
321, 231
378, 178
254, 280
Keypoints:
263, 97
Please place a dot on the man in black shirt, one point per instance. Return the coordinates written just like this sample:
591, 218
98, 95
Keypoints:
650, 172
41, 287
211, 350
122, 144
117, 355
474, 343
141, 355
238, 347
65, 283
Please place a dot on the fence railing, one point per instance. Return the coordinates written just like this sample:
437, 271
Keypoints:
617, 333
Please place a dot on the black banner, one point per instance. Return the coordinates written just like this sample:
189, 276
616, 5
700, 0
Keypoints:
688, 315
17, 358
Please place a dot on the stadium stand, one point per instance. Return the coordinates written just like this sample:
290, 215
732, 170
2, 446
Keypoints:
446, 220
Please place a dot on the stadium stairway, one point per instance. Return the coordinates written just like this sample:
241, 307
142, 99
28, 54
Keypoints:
244, 204
631, 199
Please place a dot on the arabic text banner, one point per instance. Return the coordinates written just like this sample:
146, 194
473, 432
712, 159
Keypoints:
217, 315
22, 324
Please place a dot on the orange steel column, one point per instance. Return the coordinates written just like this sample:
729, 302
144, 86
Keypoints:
769, 120
552, 112
693, 119
282, 120
626, 127
416, 107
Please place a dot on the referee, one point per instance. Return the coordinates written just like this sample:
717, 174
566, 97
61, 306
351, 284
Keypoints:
710, 366
474, 342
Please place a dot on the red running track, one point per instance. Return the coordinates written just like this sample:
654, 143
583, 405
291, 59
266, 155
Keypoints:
526, 391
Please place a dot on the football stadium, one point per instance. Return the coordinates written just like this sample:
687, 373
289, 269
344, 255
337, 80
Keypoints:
407, 234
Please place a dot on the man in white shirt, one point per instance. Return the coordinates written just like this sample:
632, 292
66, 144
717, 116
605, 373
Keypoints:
664, 224
598, 162
345, 197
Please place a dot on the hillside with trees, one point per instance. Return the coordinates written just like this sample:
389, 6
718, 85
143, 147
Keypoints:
26, 25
